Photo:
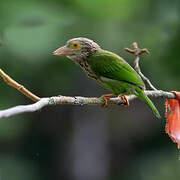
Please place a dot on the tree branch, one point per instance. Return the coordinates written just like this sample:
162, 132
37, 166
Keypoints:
18, 86
137, 52
74, 101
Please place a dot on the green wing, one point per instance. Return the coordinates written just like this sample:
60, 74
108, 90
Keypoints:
109, 65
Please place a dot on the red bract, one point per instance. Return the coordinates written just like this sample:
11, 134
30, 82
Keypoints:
173, 118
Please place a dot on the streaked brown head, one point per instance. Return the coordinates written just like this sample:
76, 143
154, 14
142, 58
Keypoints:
77, 48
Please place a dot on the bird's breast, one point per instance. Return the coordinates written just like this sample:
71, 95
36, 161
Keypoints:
85, 66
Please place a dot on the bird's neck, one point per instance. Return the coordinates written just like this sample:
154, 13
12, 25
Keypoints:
82, 61
83, 57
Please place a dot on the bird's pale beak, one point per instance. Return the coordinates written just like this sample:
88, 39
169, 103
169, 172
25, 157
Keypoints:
61, 51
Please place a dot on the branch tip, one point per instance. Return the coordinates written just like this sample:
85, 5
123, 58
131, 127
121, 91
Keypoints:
136, 50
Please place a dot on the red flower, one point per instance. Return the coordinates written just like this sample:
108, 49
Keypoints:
173, 118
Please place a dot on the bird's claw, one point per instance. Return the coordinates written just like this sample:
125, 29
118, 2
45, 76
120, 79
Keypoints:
105, 101
125, 100
106, 98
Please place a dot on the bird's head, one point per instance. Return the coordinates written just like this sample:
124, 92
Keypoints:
77, 48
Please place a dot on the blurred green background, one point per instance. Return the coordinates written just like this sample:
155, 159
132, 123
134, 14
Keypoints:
89, 142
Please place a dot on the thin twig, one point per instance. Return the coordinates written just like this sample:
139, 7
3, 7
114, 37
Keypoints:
18, 86
137, 52
74, 101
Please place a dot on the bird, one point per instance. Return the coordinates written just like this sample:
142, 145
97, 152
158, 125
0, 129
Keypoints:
106, 68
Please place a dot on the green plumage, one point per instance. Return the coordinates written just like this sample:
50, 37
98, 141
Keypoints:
117, 75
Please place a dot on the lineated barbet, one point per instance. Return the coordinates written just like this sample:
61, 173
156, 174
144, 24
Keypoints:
108, 69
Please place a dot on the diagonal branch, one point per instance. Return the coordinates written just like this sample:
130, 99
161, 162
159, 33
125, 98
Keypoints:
19, 87
74, 101
137, 52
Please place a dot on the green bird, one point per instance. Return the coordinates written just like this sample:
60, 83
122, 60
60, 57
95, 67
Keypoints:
108, 69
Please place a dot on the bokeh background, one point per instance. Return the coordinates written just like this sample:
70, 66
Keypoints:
88, 142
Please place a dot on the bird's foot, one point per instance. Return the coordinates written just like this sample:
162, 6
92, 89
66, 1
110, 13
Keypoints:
106, 98
124, 98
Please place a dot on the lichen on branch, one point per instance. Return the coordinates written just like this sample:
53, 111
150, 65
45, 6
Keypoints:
78, 100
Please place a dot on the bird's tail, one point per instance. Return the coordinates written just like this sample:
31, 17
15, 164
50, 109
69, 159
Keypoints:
143, 96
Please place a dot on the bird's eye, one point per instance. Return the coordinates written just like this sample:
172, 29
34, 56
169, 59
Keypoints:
75, 45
